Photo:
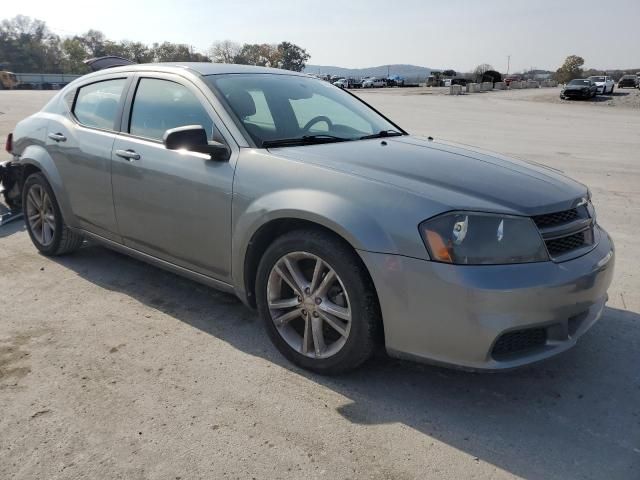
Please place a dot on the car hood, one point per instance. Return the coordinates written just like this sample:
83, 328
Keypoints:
456, 176
575, 87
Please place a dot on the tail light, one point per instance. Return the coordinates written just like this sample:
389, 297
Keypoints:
8, 146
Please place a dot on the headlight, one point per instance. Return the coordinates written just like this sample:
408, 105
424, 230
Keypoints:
470, 238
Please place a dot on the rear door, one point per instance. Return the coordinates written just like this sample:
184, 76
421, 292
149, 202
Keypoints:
173, 205
80, 146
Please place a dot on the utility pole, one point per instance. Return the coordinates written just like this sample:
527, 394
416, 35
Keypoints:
508, 63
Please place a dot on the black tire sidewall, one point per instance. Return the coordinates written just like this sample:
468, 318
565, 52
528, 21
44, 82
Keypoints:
358, 289
39, 179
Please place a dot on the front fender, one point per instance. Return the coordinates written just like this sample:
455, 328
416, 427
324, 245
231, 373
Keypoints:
334, 212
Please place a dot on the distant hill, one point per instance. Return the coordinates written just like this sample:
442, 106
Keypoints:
409, 72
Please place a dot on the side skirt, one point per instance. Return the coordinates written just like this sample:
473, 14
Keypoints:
184, 272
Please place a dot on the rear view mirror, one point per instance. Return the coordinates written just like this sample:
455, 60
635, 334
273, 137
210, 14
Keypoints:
194, 139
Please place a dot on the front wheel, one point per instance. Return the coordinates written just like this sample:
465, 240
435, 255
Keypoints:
318, 302
44, 220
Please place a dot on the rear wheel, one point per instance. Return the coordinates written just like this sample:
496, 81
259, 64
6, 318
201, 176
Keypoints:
44, 220
318, 303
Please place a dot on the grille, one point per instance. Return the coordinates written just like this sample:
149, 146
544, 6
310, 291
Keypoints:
558, 246
566, 231
519, 341
558, 218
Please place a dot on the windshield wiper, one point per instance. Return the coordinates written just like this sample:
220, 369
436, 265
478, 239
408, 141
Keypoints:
304, 140
382, 133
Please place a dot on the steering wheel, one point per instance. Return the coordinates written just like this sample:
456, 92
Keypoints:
318, 119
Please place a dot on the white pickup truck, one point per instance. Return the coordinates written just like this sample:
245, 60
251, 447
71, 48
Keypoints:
373, 82
604, 83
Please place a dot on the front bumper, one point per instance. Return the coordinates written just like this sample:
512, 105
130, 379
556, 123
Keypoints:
576, 94
456, 314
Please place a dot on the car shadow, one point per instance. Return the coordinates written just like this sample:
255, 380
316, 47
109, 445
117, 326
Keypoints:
575, 416
11, 228
605, 97
600, 97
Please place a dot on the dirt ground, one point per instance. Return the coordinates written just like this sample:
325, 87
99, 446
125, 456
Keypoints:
111, 368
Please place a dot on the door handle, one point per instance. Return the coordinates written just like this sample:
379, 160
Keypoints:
57, 137
128, 155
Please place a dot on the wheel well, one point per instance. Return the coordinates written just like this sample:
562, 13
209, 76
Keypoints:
14, 178
26, 171
265, 237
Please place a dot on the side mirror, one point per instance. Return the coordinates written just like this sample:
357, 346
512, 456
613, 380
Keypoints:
194, 139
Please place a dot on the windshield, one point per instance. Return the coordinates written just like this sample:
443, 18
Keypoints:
579, 82
274, 108
597, 79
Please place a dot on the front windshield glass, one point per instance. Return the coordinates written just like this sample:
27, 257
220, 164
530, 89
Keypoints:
597, 79
274, 108
579, 82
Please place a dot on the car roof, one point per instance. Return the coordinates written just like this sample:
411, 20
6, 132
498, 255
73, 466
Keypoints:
198, 68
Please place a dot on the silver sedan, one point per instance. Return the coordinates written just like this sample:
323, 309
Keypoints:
345, 232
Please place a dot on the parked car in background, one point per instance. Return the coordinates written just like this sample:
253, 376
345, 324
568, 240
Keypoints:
604, 84
579, 88
346, 233
512, 78
460, 81
342, 83
373, 82
8, 80
628, 81
395, 81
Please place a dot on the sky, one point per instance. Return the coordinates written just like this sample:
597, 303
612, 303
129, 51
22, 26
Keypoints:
458, 34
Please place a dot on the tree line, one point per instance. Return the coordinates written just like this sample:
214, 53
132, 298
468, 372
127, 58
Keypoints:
572, 68
27, 45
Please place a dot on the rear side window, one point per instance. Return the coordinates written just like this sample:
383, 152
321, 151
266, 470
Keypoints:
97, 104
162, 104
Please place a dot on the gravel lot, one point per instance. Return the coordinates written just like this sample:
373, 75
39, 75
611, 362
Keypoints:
110, 368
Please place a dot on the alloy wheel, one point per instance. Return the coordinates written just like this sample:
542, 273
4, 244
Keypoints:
309, 305
40, 215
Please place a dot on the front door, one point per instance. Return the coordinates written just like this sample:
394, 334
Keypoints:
173, 205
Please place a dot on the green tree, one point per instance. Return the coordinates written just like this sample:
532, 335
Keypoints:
26, 45
176, 52
74, 54
137, 52
570, 69
262, 55
94, 43
292, 57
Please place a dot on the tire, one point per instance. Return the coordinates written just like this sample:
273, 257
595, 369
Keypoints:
612, 88
43, 219
359, 336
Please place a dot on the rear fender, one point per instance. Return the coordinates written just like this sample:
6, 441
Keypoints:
38, 157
